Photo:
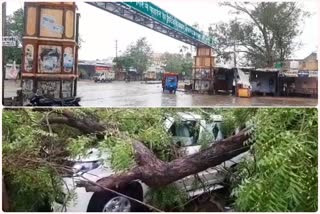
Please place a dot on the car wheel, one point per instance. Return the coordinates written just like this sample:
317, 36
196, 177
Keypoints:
117, 204
112, 202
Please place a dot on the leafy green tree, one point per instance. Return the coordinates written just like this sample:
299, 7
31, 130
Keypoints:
15, 26
141, 54
138, 55
265, 33
180, 63
124, 62
173, 62
282, 176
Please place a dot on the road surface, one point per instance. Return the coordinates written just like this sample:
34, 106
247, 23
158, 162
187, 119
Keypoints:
137, 94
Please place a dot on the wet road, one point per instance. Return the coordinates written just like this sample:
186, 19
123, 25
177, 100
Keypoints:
137, 94
140, 94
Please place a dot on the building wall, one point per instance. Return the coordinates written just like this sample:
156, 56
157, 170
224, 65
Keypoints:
310, 65
223, 80
263, 82
201, 85
307, 85
89, 69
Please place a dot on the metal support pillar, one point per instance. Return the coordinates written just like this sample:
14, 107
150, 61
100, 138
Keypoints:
203, 70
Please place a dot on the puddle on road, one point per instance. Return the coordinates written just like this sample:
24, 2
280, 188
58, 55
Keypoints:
137, 94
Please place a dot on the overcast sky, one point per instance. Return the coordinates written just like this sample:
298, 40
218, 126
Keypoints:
100, 29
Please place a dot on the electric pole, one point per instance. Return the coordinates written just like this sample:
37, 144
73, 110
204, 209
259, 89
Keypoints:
234, 54
4, 33
234, 46
116, 49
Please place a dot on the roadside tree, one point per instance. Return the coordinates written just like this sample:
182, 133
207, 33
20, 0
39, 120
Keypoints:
263, 33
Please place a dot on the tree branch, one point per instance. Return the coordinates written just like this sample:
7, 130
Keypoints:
151, 170
157, 173
86, 125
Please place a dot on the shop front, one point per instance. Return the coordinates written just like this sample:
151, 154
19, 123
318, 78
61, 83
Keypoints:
299, 83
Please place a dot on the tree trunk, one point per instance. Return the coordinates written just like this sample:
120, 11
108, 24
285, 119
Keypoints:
5, 197
153, 171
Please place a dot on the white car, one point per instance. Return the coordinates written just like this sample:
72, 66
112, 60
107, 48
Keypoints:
188, 130
108, 76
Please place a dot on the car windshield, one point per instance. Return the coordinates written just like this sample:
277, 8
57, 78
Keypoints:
185, 130
171, 79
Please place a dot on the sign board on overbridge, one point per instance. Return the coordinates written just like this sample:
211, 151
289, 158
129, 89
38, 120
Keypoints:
169, 20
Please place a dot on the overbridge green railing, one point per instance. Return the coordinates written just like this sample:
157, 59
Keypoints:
170, 21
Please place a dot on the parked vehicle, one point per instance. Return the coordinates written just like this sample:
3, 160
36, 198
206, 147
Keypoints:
39, 100
107, 76
188, 131
150, 76
170, 82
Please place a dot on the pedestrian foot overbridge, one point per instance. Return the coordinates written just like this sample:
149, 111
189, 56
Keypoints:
157, 19
51, 43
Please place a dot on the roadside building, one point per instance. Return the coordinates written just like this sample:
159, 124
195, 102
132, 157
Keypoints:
264, 81
155, 70
259, 81
300, 77
203, 71
224, 79
88, 69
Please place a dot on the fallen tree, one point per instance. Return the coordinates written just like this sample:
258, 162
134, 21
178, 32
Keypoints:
35, 145
151, 170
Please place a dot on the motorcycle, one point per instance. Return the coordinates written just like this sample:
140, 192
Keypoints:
38, 100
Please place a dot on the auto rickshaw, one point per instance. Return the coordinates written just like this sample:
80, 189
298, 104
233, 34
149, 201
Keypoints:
170, 82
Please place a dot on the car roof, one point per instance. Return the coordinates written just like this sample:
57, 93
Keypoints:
189, 116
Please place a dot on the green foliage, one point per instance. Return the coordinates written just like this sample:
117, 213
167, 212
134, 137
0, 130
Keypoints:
266, 35
31, 189
180, 63
31, 178
205, 139
83, 73
122, 157
283, 174
79, 145
158, 140
228, 125
142, 124
138, 55
167, 197
15, 25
